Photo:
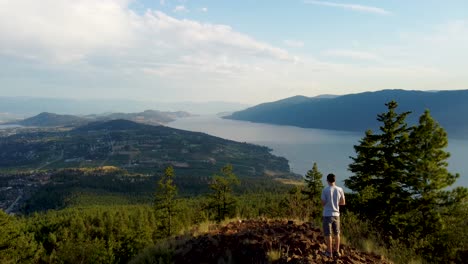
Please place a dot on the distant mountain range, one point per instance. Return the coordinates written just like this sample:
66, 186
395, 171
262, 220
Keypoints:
52, 120
358, 112
152, 117
13, 107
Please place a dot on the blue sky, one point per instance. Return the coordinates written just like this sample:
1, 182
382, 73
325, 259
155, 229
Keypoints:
241, 51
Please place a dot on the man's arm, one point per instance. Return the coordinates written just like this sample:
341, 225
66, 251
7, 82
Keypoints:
342, 199
323, 199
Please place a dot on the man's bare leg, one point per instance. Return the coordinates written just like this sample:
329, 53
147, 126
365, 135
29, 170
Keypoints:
328, 241
337, 243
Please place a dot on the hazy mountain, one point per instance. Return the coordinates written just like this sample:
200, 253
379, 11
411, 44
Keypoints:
148, 116
358, 112
153, 117
27, 106
51, 120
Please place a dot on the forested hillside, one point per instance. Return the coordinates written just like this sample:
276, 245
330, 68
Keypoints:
42, 169
356, 112
136, 147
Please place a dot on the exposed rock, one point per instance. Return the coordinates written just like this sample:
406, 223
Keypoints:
257, 241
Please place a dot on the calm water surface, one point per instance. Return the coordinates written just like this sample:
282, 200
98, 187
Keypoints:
8, 126
304, 146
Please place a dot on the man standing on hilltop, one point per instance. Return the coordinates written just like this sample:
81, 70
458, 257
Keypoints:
332, 197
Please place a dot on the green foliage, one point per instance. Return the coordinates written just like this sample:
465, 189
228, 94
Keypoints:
16, 244
165, 199
428, 180
313, 190
294, 205
261, 204
114, 233
222, 199
365, 236
93, 234
401, 179
380, 168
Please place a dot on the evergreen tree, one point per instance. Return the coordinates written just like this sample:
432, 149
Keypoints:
429, 177
221, 198
165, 199
401, 179
293, 204
380, 168
16, 245
313, 190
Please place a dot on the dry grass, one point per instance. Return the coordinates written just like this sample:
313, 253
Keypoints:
274, 255
362, 236
290, 181
206, 227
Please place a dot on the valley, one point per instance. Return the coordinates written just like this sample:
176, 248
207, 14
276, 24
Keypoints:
60, 158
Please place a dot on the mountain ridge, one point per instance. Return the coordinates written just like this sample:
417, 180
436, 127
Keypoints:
357, 112
152, 117
26, 106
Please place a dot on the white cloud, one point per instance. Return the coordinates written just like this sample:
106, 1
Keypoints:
71, 30
293, 43
445, 46
192, 36
102, 48
204, 9
353, 7
351, 54
64, 30
180, 9
190, 47
99, 44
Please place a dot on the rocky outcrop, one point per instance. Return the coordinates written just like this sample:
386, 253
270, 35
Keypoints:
263, 241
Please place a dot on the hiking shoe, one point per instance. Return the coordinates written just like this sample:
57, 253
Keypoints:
327, 254
336, 254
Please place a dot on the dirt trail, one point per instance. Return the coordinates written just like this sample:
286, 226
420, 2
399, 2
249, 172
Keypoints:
256, 241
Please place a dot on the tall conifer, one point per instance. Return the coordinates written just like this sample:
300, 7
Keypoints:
313, 191
165, 199
429, 177
379, 168
401, 179
221, 198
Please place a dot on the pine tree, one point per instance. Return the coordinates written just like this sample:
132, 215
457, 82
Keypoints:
17, 245
293, 204
379, 169
313, 190
401, 179
165, 200
221, 198
429, 177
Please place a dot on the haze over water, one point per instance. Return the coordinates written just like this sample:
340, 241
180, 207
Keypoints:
304, 146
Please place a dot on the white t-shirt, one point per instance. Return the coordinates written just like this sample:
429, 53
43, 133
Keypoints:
332, 195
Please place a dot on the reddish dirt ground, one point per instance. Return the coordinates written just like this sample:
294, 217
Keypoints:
252, 241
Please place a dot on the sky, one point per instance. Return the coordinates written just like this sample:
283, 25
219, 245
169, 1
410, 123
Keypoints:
247, 51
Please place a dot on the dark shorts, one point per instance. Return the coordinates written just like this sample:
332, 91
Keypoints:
331, 223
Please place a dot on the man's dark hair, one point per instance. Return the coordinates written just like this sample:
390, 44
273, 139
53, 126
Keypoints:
331, 178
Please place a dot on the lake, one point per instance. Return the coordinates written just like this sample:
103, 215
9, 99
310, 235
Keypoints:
9, 126
304, 146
